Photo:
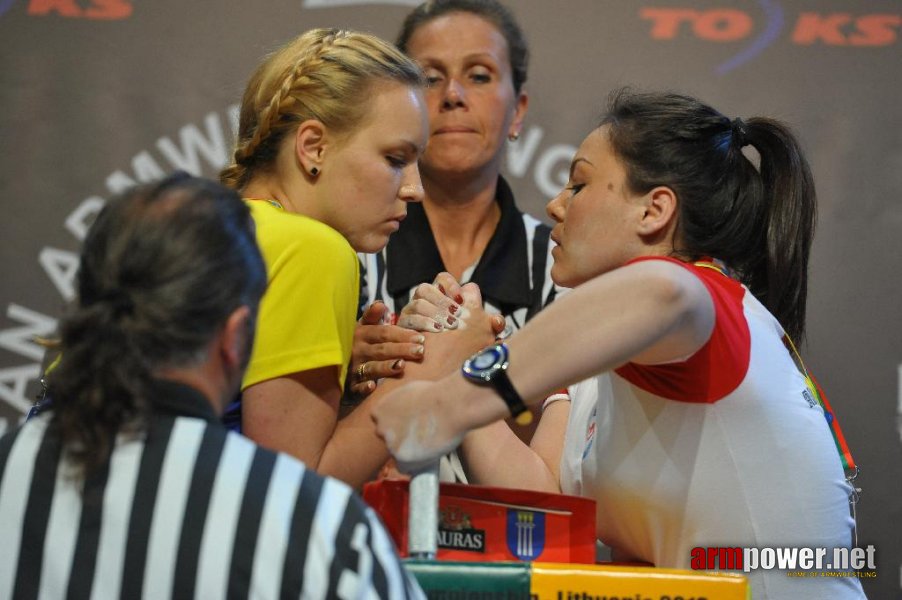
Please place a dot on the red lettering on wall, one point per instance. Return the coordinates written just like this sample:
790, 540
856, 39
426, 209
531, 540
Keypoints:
107, 10
870, 30
812, 27
716, 25
728, 25
66, 8
876, 30
723, 25
666, 21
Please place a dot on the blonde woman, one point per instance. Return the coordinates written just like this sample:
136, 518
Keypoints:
330, 130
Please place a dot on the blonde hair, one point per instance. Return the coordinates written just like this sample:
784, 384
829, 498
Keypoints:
323, 74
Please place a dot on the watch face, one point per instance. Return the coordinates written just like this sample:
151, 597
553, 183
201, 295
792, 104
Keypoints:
485, 359
484, 364
487, 367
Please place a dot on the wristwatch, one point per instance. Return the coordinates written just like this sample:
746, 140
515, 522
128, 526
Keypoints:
489, 367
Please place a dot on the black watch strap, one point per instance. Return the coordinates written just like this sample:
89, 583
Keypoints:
489, 366
502, 384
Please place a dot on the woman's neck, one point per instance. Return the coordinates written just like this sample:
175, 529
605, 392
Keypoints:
463, 219
264, 187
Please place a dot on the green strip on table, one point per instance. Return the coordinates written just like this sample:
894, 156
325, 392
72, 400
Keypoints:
447, 580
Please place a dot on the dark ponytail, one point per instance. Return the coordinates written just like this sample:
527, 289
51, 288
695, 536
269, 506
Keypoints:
759, 220
781, 281
161, 270
99, 363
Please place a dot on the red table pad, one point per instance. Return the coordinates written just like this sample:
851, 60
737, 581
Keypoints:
480, 523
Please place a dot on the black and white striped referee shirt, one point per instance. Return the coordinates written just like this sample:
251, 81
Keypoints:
513, 272
187, 510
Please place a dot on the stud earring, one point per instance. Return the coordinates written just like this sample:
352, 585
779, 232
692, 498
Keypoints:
514, 136
314, 172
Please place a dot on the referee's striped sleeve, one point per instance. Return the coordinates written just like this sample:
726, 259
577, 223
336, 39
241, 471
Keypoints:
366, 564
337, 547
400, 583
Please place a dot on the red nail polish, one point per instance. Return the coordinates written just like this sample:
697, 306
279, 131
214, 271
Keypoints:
441, 288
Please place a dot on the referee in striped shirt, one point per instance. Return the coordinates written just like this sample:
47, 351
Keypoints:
129, 486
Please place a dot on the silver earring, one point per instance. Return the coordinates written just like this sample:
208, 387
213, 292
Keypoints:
514, 136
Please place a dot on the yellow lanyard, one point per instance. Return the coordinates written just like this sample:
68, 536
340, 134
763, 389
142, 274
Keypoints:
845, 455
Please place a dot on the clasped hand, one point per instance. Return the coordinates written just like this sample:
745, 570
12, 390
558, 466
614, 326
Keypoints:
382, 349
417, 422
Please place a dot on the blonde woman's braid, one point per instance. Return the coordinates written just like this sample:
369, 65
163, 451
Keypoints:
236, 175
233, 176
323, 74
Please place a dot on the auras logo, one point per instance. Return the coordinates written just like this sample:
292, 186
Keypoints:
98, 10
810, 28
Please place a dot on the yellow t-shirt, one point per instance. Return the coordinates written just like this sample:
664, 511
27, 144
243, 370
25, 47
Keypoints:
308, 313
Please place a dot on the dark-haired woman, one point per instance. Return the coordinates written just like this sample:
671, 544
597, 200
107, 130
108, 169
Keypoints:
699, 429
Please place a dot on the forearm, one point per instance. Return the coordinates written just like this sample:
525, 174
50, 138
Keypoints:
355, 453
494, 455
645, 312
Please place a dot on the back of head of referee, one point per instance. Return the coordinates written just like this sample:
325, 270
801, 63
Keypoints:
168, 287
